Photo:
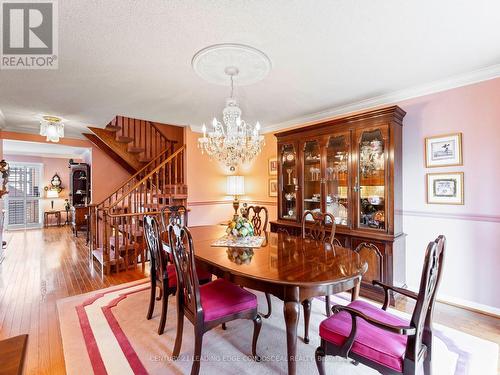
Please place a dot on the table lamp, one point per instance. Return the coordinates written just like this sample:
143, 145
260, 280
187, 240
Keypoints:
235, 187
52, 194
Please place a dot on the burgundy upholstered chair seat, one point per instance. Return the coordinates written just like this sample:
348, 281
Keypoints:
172, 277
220, 298
380, 346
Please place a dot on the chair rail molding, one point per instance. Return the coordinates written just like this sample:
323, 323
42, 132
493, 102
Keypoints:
451, 216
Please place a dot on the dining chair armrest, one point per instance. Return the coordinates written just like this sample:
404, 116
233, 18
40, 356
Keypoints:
400, 330
348, 343
387, 288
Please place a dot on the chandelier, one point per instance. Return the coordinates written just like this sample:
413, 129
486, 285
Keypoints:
52, 127
232, 142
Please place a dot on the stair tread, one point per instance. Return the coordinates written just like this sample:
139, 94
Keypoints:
136, 150
113, 128
145, 160
98, 254
123, 139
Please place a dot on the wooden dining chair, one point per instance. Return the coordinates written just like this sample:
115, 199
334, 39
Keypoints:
379, 339
173, 214
162, 274
320, 229
253, 213
259, 217
209, 305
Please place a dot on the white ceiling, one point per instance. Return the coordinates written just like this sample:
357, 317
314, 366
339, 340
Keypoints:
132, 57
48, 150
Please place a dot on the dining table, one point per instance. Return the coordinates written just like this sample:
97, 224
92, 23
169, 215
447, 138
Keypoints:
291, 268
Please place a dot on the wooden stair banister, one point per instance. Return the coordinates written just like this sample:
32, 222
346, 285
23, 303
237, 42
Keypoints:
151, 174
116, 223
139, 175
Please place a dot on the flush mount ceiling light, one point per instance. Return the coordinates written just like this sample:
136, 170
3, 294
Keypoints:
52, 127
232, 142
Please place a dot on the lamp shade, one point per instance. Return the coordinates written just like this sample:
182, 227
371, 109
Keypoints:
52, 194
235, 185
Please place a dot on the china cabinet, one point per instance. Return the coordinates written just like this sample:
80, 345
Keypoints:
79, 196
351, 168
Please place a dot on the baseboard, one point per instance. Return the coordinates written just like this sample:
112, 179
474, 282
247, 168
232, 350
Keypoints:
469, 305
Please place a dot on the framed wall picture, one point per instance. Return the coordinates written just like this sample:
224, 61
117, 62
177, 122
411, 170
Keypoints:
445, 188
273, 166
443, 150
273, 187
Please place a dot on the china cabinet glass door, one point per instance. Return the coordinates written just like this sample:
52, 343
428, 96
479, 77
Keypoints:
370, 181
337, 178
312, 177
289, 181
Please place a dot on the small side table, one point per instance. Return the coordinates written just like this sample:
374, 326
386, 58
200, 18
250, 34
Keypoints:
46, 216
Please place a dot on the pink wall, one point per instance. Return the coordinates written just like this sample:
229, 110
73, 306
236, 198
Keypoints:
472, 230
106, 174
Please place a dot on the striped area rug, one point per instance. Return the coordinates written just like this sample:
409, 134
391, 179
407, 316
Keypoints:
106, 332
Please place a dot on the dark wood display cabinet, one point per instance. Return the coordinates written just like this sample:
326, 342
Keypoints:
79, 196
350, 167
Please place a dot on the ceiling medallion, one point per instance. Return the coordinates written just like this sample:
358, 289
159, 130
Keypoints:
233, 141
210, 63
52, 127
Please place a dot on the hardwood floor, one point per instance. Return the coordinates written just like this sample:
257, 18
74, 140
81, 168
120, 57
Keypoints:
42, 266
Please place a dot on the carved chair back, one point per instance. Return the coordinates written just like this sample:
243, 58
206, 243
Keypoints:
364, 249
174, 214
181, 243
319, 227
154, 245
259, 223
429, 283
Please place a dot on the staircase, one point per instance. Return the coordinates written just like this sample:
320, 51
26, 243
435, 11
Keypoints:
131, 142
116, 232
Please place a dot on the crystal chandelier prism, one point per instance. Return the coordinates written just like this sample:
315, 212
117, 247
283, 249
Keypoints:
232, 142
52, 128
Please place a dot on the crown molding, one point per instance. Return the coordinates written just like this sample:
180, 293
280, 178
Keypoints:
476, 76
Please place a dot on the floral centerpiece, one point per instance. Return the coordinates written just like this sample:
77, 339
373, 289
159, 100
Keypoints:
240, 227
